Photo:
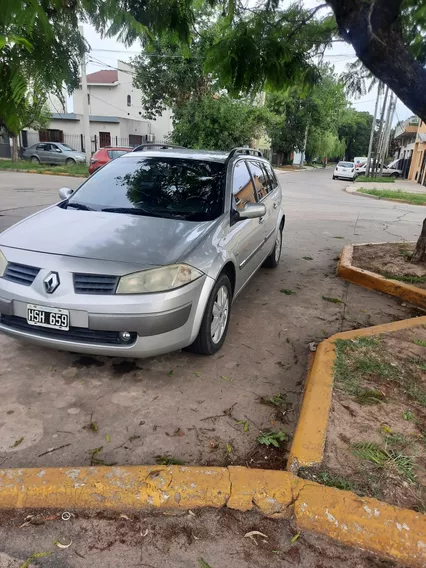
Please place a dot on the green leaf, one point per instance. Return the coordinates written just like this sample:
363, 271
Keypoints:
296, 536
107, 438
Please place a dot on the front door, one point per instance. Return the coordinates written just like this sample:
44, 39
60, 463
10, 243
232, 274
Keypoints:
245, 238
104, 139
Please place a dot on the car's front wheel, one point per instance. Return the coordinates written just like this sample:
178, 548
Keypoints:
395, 175
273, 260
215, 321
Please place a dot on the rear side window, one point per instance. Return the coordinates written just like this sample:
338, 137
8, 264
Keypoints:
41, 147
116, 153
242, 186
260, 179
271, 174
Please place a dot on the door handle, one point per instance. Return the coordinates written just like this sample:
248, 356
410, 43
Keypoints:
261, 220
275, 205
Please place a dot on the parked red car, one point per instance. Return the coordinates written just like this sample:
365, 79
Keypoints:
105, 155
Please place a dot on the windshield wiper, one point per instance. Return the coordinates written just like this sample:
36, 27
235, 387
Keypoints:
79, 206
132, 211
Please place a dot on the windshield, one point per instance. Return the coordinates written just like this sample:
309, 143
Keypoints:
66, 147
157, 186
346, 164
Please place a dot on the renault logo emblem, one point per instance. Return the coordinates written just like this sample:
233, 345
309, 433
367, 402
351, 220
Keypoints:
51, 282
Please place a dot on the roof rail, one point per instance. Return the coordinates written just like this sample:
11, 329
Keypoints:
163, 146
243, 150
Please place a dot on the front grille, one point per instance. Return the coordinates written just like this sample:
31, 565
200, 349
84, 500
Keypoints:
21, 273
95, 284
77, 334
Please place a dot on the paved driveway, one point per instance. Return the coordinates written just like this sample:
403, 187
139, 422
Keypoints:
60, 408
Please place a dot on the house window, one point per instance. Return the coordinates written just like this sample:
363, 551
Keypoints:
129, 100
88, 98
104, 139
51, 135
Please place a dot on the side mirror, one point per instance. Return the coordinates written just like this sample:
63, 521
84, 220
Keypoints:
65, 193
252, 211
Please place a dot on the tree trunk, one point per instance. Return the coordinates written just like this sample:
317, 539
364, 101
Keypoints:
14, 148
419, 254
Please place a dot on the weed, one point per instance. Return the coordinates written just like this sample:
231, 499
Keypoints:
369, 397
380, 457
307, 258
408, 415
420, 342
409, 278
34, 556
332, 300
203, 564
245, 424
93, 426
337, 481
338, 237
168, 460
272, 438
278, 400
287, 292
405, 253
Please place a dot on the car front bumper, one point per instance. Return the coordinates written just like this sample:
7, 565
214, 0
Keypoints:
158, 323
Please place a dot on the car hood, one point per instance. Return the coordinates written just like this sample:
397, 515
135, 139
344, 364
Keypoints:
145, 241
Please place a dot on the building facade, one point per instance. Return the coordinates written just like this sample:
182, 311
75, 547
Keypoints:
404, 140
115, 115
418, 163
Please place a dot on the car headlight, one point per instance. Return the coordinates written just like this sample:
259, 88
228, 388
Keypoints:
158, 279
3, 264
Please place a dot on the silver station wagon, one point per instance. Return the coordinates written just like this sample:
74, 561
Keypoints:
146, 256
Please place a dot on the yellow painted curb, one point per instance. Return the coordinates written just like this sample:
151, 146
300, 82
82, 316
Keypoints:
367, 279
392, 532
308, 444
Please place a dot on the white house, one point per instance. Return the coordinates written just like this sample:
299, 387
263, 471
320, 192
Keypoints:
115, 114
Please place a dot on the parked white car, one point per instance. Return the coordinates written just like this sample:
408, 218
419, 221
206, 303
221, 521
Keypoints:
345, 170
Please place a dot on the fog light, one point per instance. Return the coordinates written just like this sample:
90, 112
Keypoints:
124, 336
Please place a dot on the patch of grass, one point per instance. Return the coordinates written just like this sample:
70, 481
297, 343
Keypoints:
413, 198
270, 438
23, 165
287, 292
369, 397
331, 480
332, 300
385, 457
409, 278
168, 460
377, 179
405, 253
408, 415
420, 342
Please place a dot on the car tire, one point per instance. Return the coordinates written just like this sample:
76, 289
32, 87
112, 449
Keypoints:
334, 177
273, 260
395, 175
35, 160
208, 343
70, 162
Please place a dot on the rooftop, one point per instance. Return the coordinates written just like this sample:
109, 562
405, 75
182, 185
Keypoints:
103, 77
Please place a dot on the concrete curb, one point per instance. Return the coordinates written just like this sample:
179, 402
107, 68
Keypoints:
396, 533
46, 173
308, 444
367, 279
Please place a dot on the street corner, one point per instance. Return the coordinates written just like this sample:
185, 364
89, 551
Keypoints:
385, 267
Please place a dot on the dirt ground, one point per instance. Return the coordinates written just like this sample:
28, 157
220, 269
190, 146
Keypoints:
198, 410
391, 260
196, 539
376, 438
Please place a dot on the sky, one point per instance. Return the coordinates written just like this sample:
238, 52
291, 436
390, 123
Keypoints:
106, 51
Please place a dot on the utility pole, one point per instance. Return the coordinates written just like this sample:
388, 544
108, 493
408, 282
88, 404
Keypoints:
378, 146
373, 128
386, 132
86, 122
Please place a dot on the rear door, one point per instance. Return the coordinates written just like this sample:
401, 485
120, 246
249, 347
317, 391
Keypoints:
246, 237
55, 154
264, 194
41, 152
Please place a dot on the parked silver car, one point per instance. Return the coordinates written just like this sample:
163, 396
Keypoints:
53, 153
145, 257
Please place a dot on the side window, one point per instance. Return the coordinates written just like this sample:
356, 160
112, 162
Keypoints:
41, 147
271, 174
242, 186
261, 182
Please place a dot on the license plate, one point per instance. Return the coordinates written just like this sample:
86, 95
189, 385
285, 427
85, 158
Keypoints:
43, 316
